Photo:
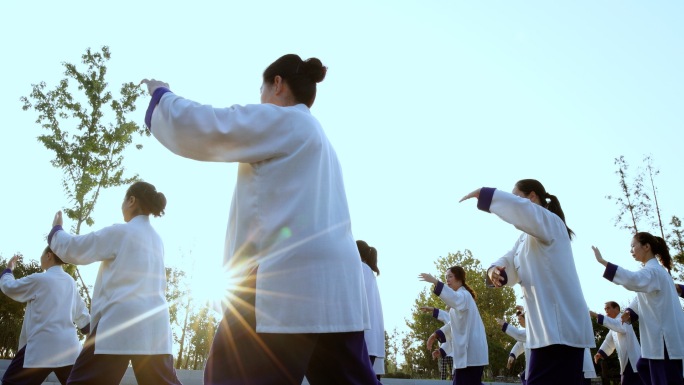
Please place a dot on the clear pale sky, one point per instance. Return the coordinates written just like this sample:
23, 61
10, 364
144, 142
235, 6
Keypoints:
424, 101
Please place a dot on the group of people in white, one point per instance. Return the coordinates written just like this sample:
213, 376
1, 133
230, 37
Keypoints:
281, 326
557, 332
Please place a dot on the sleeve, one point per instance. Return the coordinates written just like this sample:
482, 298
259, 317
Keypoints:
518, 349
20, 290
608, 346
518, 334
455, 299
98, 246
525, 215
444, 333
247, 134
614, 324
507, 261
445, 349
643, 280
443, 315
79, 312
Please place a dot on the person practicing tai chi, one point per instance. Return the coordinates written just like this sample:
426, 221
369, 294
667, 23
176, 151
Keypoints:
541, 261
375, 336
48, 341
520, 336
130, 315
444, 354
301, 309
465, 329
656, 306
620, 338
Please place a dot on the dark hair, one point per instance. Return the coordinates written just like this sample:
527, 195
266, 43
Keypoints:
460, 274
548, 201
613, 305
658, 247
58, 260
150, 201
301, 76
369, 255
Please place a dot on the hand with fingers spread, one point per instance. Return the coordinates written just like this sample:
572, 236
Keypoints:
428, 278
510, 362
12, 262
500, 321
496, 276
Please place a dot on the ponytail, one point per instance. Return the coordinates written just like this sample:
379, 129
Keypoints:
369, 255
460, 274
548, 201
658, 247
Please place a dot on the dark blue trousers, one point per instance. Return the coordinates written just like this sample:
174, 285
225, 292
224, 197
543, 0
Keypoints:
17, 374
470, 375
557, 365
628, 377
109, 369
241, 356
660, 372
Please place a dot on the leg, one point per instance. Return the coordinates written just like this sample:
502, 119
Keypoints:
628, 377
154, 369
471, 375
556, 364
16, 374
442, 369
341, 358
644, 370
239, 355
63, 373
101, 369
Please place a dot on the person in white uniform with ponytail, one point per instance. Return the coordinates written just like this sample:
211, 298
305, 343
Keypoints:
541, 261
375, 336
48, 340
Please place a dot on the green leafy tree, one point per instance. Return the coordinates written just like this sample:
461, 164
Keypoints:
88, 131
204, 325
491, 303
11, 311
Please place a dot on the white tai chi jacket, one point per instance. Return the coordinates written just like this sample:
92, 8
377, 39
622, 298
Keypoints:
129, 306
446, 350
289, 212
661, 320
375, 336
622, 338
520, 335
53, 305
465, 329
556, 312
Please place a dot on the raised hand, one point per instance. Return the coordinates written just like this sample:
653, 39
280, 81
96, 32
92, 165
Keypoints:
598, 256
57, 221
474, 194
153, 84
427, 278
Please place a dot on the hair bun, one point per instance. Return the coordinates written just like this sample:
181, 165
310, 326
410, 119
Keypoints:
314, 69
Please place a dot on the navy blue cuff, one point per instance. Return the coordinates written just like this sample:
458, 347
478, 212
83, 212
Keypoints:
52, 232
504, 327
603, 354
7, 271
435, 312
681, 290
440, 336
85, 329
633, 317
438, 288
156, 97
599, 319
610, 271
511, 355
442, 353
485, 199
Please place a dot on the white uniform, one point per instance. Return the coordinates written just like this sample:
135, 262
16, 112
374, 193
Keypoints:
446, 346
375, 336
465, 329
53, 305
556, 312
129, 305
622, 338
520, 335
660, 314
289, 213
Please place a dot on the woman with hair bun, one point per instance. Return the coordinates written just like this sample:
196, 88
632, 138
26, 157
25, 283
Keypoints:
541, 261
130, 315
465, 329
301, 309
656, 306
